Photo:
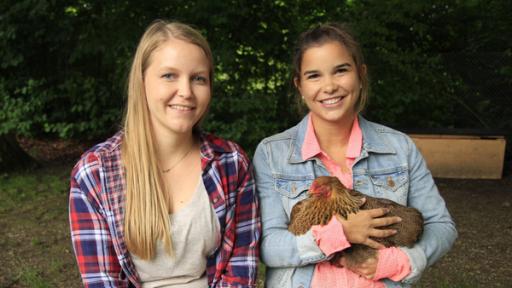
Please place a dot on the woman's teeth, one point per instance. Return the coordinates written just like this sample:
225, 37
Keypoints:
180, 107
331, 100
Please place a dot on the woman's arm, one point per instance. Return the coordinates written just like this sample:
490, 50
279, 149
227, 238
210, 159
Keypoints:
92, 243
279, 247
439, 232
390, 263
241, 270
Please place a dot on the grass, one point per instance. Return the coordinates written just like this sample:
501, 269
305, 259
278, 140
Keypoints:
32, 278
20, 189
34, 229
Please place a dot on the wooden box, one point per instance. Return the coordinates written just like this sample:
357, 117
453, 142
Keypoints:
461, 156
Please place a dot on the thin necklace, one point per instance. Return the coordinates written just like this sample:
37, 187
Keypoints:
178, 162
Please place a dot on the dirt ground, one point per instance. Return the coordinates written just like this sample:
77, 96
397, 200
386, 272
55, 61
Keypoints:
36, 249
482, 254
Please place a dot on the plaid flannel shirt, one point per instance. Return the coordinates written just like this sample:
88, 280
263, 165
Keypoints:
96, 213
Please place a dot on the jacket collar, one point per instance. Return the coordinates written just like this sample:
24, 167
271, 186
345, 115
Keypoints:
297, 140
211, 145
373, 142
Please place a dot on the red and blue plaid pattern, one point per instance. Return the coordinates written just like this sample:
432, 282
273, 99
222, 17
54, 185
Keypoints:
96, 213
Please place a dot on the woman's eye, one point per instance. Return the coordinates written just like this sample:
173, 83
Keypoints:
341, 70
200, 79
169, 76
312, 76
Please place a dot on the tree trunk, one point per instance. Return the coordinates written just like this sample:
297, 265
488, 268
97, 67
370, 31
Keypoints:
12, 157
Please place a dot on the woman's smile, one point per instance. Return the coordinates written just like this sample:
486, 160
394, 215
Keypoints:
180, 107
330, 102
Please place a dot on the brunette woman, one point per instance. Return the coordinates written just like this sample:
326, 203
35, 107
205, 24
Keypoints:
334, 139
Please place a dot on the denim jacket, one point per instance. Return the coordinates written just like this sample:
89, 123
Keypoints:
390, 166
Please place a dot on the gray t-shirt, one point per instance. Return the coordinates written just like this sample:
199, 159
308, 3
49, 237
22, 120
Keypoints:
195, 232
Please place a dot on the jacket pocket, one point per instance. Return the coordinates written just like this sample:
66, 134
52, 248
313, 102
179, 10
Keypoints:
391, 183
292, 190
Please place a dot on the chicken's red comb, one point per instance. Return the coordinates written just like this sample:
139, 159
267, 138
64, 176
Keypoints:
319, 189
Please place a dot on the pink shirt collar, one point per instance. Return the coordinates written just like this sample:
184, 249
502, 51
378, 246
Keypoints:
311, 147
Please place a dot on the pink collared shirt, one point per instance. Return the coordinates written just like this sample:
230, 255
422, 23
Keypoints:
312, 148
393, 263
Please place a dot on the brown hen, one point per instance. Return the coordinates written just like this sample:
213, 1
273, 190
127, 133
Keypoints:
329, 197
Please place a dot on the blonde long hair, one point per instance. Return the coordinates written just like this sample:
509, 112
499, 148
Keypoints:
146, 215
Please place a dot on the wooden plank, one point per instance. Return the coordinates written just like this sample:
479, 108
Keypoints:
465, 157
443, 136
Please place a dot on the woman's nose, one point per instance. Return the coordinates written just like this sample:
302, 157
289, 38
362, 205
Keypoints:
330, 86
185, 88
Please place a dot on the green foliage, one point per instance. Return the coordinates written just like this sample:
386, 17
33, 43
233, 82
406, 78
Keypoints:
13, 114
64, 62
410, 86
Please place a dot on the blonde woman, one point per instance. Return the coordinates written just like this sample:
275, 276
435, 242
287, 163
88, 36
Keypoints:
162, 204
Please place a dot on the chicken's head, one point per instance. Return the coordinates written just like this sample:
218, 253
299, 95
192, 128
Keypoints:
321, 187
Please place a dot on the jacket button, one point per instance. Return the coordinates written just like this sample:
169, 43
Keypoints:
391, 183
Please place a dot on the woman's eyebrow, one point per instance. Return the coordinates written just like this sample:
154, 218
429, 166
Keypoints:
344, 65
310, 72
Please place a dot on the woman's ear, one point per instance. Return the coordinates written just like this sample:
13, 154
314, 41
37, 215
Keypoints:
362, 71
296, 82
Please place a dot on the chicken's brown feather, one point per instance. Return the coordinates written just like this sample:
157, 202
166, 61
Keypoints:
318, 209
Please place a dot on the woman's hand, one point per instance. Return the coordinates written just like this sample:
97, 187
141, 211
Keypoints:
367, 269
360, 226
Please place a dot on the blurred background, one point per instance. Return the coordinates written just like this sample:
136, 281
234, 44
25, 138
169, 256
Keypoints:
435, 66
432, 64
